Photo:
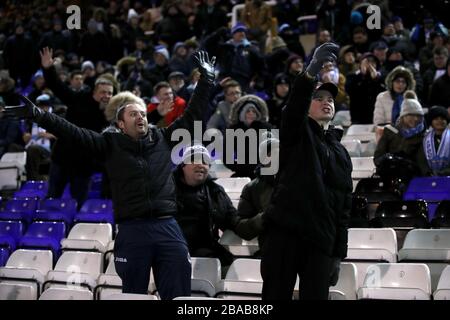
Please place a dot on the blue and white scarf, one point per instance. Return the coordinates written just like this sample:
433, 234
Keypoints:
440, 159
410, 132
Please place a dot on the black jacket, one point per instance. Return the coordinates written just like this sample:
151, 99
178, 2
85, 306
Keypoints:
312, 196
202, 211
140, 173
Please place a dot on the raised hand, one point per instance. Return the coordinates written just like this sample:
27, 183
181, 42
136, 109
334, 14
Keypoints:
26, 110
205, 65
326, 52
164, 107
46, 57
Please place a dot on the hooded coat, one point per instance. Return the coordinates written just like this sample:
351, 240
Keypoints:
247, 169
385, 102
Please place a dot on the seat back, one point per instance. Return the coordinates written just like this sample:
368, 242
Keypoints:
405, 279
13, 229
233, 184
428, 239
44, 229
353, 147
101, 232
363, 167
410, 214
41, 260
443, 287
80, 262
55, 293
244, 269
28, 205
377, 189
347, 283
207, 269
372, 244
59, 205
97, 206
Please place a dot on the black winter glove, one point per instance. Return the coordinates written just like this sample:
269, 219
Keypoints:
27, 110
326, 52
205, 65
334, 271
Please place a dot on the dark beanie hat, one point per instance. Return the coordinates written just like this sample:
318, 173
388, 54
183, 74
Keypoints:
437, 111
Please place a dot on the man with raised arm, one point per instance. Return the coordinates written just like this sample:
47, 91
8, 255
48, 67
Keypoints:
137, 158
306, 221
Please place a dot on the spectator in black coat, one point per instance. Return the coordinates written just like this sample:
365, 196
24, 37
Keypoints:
363, 87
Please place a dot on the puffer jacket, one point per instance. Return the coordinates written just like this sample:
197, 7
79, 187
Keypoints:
140, 171
312, 195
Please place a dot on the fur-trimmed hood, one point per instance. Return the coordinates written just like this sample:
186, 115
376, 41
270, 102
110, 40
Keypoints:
403, 72
236, 108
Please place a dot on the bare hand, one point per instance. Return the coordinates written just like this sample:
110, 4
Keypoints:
164, 107
46, 57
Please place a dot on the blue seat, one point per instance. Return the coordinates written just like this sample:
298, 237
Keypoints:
430, 189
33, 189
19, 209
56, 210
96, 210
44, 235
10, 233
4, 255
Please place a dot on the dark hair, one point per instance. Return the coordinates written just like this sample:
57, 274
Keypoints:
359, 30
75, 73
230, 84
160, 85
438, 51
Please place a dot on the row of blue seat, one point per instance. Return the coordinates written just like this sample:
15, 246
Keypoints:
33, 209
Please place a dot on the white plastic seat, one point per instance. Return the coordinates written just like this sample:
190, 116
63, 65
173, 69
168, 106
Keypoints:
367, 246
342, 118
12, 170
363, 167
443, 288
245, 270
346, 287
17, 291
368, 149
242, 281
110, 283
362, 132
238, 246
353, 147
66, 294
26, 269
396, 281
233, 186
430, 246
76, 268
130, 296
195, 298
206, 274
88, 236
218, 170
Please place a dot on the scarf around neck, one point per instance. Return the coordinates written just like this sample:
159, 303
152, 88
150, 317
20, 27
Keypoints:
440, 159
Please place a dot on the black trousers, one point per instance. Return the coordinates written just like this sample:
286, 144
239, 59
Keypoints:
284, 256
157, 244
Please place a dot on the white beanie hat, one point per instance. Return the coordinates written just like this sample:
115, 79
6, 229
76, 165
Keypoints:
410, 105
162, 50
193, 153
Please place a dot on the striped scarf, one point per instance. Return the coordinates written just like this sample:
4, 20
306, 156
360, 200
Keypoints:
440, 159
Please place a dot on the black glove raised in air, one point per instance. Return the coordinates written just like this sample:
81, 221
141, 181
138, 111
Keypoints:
205, 65
326, 52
